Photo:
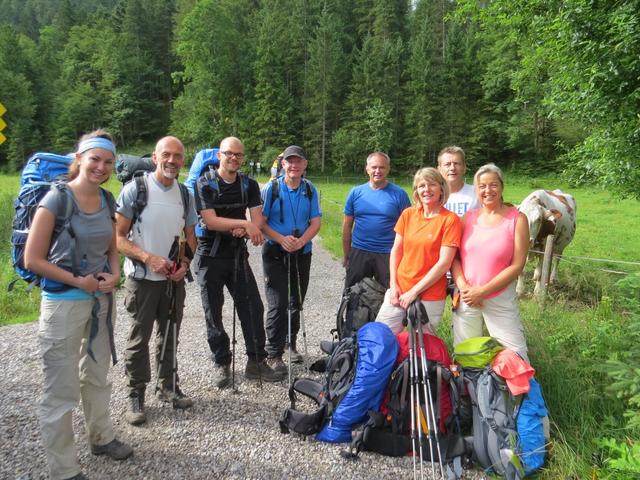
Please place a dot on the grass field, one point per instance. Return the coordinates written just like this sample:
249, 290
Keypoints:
586, 321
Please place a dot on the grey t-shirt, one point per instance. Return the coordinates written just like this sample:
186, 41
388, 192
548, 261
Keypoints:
93, 233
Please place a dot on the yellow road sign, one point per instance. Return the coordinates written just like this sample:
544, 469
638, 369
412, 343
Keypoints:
2, 123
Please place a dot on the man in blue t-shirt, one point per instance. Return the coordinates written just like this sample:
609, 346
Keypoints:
374, 208
291, 209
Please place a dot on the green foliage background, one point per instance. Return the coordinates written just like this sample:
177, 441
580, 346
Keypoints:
542, 86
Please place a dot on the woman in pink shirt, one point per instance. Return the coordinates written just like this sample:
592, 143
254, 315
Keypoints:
493, 252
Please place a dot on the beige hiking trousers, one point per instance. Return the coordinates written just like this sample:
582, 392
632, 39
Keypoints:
71, 374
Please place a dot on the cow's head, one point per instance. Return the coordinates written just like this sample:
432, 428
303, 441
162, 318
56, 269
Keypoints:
542, 221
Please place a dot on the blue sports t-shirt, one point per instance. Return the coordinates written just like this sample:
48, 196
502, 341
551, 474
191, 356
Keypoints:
375, 213
295, 206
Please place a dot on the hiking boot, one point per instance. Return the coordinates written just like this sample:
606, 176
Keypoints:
177, 398
296, 357
277, 365
115, 449
135, 414
261, 371
79, 476
222, 376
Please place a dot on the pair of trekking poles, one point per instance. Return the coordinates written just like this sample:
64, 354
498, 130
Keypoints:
240, 250
177, 251
419, 376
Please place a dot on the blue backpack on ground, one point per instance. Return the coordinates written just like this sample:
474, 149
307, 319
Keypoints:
42, 171
356, 378
205, 164
532, 426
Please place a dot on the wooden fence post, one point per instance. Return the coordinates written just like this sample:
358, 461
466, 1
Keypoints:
546, 270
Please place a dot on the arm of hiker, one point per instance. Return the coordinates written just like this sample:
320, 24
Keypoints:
474, 295
394, 260
456, 267
434, 274
232, 225
107, 281
457, 274
347, 228
311, 231
129, 249
37, 251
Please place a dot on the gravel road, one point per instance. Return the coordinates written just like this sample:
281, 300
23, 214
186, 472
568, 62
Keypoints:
225, 434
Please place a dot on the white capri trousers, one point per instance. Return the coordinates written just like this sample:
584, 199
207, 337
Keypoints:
502, 317
70, 373
393, 316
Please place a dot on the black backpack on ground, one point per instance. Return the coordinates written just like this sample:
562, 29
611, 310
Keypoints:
390, 434
340, 373
359, 305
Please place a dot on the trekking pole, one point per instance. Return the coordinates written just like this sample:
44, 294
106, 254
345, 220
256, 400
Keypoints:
431, 414
289, 313
413, 399
301, 307
245, 269
419, 415
236, 267
171, 294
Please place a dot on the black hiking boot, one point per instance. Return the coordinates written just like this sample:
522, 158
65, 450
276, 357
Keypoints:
135, 413
261, 371
222, 376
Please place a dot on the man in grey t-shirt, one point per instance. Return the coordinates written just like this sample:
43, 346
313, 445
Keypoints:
155, 282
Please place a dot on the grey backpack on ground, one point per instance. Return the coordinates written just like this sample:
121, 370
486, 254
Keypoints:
495, 436
359, 305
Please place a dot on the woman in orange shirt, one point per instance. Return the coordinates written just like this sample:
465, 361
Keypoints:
427, 237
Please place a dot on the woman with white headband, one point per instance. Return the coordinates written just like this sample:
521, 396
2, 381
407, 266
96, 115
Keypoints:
79, 268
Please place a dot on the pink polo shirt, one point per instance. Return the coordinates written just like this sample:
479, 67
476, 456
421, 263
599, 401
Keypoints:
486, 251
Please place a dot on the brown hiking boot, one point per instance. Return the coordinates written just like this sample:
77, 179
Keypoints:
261, 371
177, 399
135, 413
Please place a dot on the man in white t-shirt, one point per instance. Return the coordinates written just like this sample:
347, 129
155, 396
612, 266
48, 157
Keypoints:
154, 281
452, 166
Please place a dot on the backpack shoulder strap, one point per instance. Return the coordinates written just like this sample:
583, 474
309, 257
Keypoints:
67, 210
244, 188
308, 188
184, 194
111, 202
275, 190
140, 201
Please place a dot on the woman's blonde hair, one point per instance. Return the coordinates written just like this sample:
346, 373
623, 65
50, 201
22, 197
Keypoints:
430, 174
74, 168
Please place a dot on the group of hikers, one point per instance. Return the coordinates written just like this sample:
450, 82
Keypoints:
456, 239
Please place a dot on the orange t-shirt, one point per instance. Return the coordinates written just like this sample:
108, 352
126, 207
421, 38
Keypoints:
421, 242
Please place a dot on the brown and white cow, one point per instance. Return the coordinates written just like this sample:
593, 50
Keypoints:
548, 212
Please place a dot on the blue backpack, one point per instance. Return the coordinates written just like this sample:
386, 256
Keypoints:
39, 174
205, 164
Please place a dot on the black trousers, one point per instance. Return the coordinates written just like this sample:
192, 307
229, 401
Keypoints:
213, 275
280, 294
367, 264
